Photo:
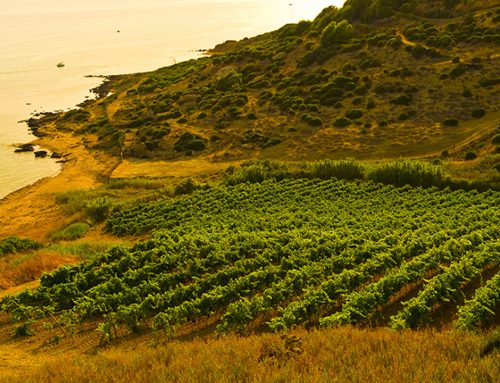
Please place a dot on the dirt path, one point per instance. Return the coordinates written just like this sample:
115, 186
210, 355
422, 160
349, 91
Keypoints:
404, 40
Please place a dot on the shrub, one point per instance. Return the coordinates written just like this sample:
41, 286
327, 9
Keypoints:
478, 113
487, 82
256, 172
354, 114
72, 232
496, 139
450, 122
24, 329
404, 99
470, 155
15, 245
347, 169
342, 122
274, 141
312, 121
335, 33
185, 187
371, 105
189, 141
411, 173
457, 71
230, 81
98, 209
196, 145
467, 93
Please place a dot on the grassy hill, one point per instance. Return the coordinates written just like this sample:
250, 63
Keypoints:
402, 86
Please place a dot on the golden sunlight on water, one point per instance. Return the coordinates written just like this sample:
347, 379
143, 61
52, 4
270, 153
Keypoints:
83, 34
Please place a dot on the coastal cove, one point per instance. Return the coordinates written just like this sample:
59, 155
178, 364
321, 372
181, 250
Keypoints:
92, 38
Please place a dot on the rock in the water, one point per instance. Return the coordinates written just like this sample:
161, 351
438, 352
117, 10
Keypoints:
41, 154
24, 148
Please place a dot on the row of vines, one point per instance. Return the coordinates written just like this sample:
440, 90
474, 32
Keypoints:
283, 253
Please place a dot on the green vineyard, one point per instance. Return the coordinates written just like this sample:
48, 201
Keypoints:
277, 254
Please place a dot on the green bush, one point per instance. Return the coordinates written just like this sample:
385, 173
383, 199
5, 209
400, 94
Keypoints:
450, 122
312, 121
98, 209
470, 155
487, 82
229, 82
185, 187
24, 329
354, 114
72, 232
496, 139
467, 93
404, 99
256, 172
347, 170
478, 113
335, 33
14, 245
342, 122
411, 173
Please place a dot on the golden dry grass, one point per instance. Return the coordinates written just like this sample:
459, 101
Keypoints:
186, 168
32, 211
20, 269
336, 355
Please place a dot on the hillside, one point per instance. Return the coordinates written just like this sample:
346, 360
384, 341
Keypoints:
311, 204
404, 86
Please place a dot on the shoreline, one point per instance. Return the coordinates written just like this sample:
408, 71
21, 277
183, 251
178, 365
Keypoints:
32, 211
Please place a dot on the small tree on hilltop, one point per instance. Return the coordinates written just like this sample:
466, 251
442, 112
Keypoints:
336, 33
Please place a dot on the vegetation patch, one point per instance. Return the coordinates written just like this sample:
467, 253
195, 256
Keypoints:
72, 232
15, 245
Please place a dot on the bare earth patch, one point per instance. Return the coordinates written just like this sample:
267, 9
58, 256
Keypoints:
186, 168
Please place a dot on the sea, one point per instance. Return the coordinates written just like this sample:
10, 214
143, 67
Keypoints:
105, 37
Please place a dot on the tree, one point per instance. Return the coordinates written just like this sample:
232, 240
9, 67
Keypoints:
336, 33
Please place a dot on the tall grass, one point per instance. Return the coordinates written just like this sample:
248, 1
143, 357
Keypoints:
411, 173
30, 267
82, 250
397, 173
72, 232
337, 355
344, 170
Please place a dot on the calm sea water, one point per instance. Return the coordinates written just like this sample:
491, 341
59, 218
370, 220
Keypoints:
36, 35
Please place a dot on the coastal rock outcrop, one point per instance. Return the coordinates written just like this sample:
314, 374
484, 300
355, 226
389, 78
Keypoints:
41, 154
23, 148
